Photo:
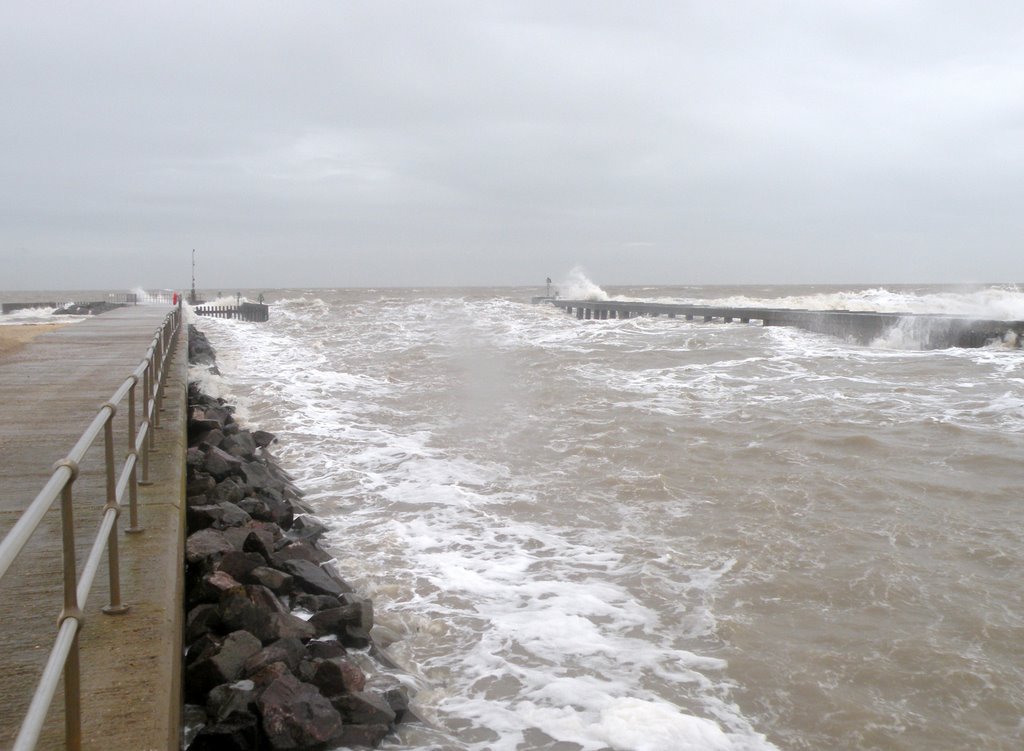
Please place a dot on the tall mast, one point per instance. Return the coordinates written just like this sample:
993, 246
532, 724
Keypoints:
192, 297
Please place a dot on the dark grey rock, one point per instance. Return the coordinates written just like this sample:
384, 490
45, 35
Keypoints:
296, 715
233, 516
368, 736
276, 581
237, 732
299, 550
337, 676
200, 483
279, 511
241, 444
227, 490
239, 564
206, 543
201, 517
229, 698
312, 578
213, 437
355, 637
236, 536
287, 625
263, 438
260, 540
257, 508
202, 619
315, 603
268, 674
211, 586
393, 691
221, 665
307, 528
249, 608
257, 476
364, 708
337, 620
220, 464
289, 651
325, 649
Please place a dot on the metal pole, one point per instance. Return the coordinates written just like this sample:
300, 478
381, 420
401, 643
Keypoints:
133, 482
147, 442
115, 607
156, 380
72, 671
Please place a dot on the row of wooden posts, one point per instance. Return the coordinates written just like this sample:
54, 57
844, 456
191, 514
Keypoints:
246, 311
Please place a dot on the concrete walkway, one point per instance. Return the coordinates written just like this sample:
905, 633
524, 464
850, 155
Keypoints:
50, 390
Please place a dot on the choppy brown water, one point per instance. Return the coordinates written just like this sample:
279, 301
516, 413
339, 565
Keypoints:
649, 533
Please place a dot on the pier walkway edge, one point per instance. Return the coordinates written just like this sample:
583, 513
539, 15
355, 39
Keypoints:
50, 391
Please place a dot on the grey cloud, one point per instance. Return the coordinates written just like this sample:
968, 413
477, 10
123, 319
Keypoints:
487, 143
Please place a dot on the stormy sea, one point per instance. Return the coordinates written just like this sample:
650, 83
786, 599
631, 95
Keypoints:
653, 534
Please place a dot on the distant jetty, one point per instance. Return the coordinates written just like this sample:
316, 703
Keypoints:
865, 327
246, 311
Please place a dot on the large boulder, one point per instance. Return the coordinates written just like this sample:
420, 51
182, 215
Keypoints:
307, 528
289, 549
229, 489
256, 609
237, 732
339, 619
231, 698
221, 664
202, 619
288, 651
338, 676
297, 716
220, 464
364, 708
206, 543
309, 577
263, 438
241, 444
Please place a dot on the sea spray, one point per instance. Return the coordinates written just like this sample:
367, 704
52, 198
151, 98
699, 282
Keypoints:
577, 286
996, 302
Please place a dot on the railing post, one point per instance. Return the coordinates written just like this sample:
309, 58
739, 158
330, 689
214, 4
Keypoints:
133, 457
157, 377
165, 354
147, 442
72, 670
116, 607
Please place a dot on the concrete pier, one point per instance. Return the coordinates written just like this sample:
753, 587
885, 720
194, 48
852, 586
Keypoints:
50, 390
932, 331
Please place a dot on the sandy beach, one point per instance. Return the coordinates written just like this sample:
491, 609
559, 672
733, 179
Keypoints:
15, 336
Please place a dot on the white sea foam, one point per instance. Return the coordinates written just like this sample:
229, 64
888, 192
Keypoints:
1000, 302
574, 559
30, 316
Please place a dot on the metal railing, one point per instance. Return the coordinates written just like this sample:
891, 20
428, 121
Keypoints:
64, 657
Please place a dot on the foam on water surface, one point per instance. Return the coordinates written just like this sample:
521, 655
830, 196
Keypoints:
650, 533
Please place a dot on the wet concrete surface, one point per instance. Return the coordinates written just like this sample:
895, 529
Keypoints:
50, 390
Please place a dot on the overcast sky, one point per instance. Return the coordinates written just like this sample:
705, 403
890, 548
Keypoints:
330, 143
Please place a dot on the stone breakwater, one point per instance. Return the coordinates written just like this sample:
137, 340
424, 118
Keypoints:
277, 644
